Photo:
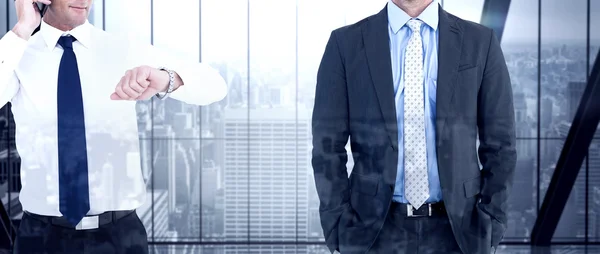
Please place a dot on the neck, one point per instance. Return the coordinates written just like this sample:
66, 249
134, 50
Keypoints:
55, 22
413, 8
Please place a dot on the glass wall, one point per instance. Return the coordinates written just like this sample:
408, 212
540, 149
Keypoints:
593, 162
547, 60
239, 170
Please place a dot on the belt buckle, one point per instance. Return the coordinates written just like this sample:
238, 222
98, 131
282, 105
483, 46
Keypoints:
410, 209
88, 222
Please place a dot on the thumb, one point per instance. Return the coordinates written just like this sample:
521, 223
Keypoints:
115, 96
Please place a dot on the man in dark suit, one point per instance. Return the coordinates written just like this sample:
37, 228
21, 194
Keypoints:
413, 87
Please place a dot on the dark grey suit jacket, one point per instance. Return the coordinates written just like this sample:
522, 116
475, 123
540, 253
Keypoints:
355, 99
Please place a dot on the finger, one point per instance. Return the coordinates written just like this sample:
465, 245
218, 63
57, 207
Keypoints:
135, 85
115, 96
122, 95
143, 82
119, 89
125, 85
129, 83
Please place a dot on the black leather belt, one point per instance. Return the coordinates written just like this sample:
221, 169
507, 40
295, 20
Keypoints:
434, 209
88, 222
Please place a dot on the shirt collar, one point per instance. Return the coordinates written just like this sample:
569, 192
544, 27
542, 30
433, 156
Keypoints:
397, 18
51, 34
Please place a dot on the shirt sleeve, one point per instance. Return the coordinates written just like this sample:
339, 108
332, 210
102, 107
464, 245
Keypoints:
202, 84
12, 48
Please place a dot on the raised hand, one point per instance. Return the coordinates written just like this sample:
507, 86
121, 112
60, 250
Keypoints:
28, 17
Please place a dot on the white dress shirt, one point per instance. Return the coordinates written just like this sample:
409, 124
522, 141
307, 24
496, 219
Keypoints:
28, 79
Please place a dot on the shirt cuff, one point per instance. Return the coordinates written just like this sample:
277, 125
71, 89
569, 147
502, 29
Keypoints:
202, 85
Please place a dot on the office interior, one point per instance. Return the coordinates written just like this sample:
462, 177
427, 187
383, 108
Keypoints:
235, 176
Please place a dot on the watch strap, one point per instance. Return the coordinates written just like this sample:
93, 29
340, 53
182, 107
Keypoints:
171, 83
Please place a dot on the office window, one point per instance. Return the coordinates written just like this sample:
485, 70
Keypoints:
563, 60
356, 10
127, 19
594, 149
571, 226
563, 76
96, 17
239, 169
465, 9
593, 191
224, 125
178, 37
12, 14
519, 44
224, 45
594, 28
4, 11
272, 101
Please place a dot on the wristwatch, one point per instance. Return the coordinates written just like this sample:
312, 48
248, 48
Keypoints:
163, 95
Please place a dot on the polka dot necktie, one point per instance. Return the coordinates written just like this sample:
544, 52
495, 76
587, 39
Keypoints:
415, 153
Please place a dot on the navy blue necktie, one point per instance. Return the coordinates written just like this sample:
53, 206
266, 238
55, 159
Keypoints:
72, 154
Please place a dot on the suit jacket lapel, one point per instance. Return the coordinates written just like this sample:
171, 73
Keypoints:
377, 47
449, 50
376, 39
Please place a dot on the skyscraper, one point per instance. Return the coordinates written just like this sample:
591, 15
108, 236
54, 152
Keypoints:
266, 174
594, 214
164, 162
576, 90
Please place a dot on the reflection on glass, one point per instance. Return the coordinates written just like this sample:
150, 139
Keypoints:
277, 207
321, 249
522, 202
594, 150
224, 45
239, 169
571, 226
563, 75
563, 63
520, 47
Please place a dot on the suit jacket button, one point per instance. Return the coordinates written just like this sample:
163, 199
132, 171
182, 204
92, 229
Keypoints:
394, 148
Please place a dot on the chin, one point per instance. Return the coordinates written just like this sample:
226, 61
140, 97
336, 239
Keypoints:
78, 18
77, 22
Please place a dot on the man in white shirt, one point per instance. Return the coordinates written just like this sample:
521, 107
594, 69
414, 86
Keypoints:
73, 90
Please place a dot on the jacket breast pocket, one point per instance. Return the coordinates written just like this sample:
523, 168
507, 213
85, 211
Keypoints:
467, 88
468, 73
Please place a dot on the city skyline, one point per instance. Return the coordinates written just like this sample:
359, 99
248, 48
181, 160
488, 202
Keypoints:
177, 149
239, 170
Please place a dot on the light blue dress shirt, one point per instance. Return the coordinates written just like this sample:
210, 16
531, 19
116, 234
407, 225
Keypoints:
399, 34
